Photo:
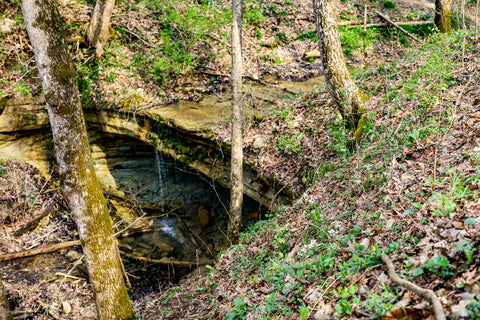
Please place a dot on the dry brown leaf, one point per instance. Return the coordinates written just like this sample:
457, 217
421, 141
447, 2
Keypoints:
406, 314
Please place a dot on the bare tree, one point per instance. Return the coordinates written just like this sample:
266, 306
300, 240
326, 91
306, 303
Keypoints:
5, 313
236, 173
79, 183
99, 27
443, 19
341, 86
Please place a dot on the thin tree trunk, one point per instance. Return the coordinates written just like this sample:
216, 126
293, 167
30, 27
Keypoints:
443, 19
5, 313
79, 183
236, 195
98, 30
342, 88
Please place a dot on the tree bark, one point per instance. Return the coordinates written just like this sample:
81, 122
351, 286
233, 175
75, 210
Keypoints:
236, 173
79, 183
443, 19
342, 88
99, 27
5, 313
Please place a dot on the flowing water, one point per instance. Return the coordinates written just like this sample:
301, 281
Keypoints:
161, 171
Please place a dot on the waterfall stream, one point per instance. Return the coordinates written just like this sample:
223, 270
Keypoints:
161, 171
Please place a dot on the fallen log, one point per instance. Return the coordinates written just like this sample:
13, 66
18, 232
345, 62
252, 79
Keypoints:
352, 24
46, 249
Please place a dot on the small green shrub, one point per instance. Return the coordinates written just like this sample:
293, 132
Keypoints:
473, 309
253, 17
437, 265
290, 143
310, 35
239, 311
389, 4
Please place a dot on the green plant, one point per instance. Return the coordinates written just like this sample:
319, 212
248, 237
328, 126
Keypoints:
347, 297
380, 304
3, 169
290, 143
338, 137
436, 265
443, 204
354, 39
22, 88
239, 311
465, 247
310, 35
389, 4
253, 17
473, 309
182, 35
304, 311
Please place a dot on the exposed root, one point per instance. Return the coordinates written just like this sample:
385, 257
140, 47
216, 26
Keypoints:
424, 293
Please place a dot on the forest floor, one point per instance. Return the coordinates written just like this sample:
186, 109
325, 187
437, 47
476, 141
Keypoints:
411, 190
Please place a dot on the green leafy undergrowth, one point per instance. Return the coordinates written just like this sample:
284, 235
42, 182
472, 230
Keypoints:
183, 44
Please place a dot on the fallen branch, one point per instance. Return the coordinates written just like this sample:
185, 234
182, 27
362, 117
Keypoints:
130, 32
168, 261
424, 293
352, 24
46, 249
34, 223
396, 25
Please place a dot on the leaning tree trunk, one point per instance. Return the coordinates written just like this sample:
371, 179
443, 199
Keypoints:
342, 88
79, 183
236, 174
99, 28
5, 313
443, 19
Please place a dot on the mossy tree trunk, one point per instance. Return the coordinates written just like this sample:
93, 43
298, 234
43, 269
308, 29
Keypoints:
79, 183
341, 86
236, 174
443, 19
5, 313
99, 27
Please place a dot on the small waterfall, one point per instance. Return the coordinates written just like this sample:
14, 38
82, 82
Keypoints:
161, 171
167, 226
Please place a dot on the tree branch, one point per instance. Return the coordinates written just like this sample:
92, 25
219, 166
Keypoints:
424, 293
386, 18
46, 249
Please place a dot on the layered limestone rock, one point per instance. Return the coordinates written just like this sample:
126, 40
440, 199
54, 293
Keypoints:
124, 144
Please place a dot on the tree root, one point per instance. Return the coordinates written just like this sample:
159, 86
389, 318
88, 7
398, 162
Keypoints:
424, 293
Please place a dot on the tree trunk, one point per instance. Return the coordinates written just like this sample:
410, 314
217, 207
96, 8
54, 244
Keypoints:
343, 90
443, 19
99, 28
236, 174
5, 313
79, 183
